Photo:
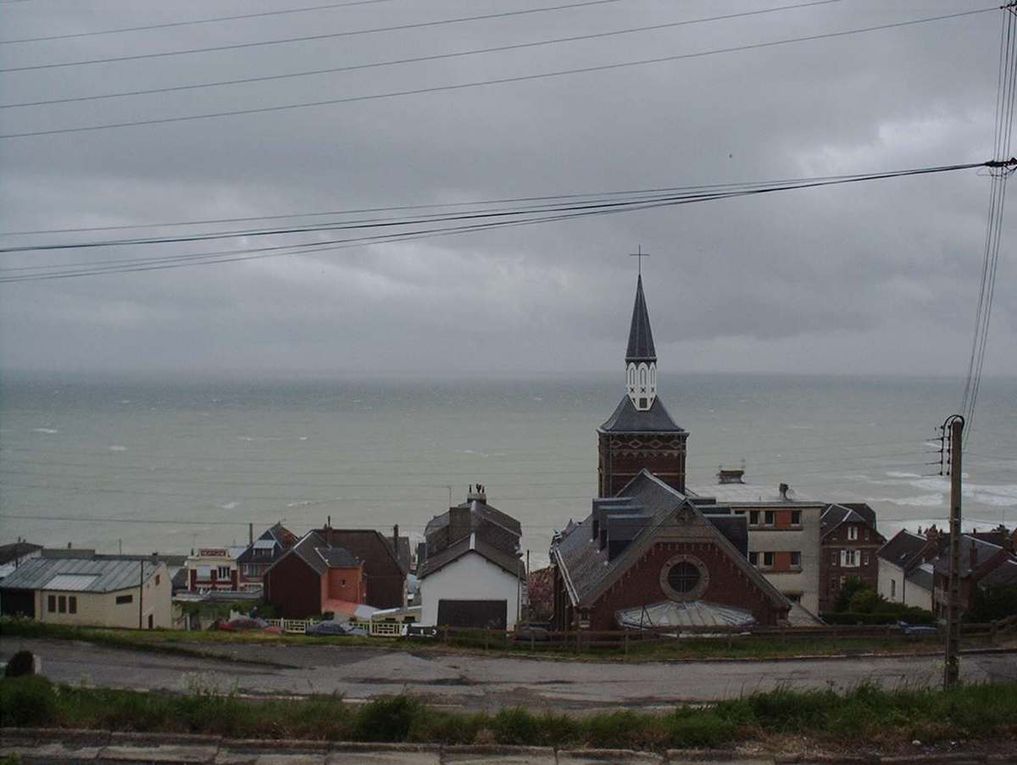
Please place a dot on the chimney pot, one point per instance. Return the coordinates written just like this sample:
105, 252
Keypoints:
783, 489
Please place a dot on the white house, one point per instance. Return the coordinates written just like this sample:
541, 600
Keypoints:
472, 584
904, 576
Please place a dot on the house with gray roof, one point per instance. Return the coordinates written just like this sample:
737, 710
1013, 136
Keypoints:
903, 571
472, 575
316, 577
102, 592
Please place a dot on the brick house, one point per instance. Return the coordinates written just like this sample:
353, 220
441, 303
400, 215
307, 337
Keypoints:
259, 556
849, 547
313, 578
384, 574
978, 559
650, 557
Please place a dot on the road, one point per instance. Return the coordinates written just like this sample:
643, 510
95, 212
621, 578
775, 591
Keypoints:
481, 682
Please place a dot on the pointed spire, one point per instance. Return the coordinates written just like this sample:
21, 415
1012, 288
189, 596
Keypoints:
640, 336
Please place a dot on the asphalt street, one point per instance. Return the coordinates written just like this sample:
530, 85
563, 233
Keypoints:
481, 682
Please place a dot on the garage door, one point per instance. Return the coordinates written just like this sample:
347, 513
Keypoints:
483, 614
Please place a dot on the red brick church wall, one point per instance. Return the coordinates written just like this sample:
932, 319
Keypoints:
640, 585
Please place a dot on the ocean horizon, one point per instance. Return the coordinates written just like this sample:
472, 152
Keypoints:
142, 463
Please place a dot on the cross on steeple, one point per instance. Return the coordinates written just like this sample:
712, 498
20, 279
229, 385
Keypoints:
639, 254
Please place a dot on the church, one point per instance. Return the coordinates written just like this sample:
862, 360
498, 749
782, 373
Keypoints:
651, 553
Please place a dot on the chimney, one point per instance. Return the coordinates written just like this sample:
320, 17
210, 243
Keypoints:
477, 493
730, 475
973, 555
395, 539
458, 523
783, 489
250, 534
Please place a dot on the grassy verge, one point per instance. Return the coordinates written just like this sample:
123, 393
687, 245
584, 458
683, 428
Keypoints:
881, 718
200, 644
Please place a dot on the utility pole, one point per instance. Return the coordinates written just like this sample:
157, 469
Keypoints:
951, 670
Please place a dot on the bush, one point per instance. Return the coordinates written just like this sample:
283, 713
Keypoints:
698, 727
21, 663
386, 719
29, 700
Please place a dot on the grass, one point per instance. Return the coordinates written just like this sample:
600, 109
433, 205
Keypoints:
745, 647
866, 714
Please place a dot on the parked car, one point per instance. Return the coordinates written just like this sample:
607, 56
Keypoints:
532, 632
918, 630
327, 628
245, 624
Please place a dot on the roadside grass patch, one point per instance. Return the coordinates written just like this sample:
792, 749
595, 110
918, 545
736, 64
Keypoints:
865, 714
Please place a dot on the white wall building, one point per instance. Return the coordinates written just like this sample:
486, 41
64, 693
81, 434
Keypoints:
784, 535
472, 584
134, 594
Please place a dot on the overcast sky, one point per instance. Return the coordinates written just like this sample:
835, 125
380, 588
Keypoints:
867, 278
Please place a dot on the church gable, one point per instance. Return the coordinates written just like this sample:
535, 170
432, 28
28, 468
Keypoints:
684, 571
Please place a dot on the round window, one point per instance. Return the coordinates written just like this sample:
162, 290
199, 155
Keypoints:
683, 577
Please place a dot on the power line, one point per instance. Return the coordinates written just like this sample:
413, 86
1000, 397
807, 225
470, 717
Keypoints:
194, 22
561, 213
486, 83
417, 59
309, 38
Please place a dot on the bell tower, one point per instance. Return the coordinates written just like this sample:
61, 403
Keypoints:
640, 433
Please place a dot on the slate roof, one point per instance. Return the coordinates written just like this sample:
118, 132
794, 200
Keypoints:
269, 539
102, 575
472, 543
586, 567
922, 576
846, 512
15, 550
1002, 576
640, 346
315, 552
478, 511
627, 419
902, 549
985, 550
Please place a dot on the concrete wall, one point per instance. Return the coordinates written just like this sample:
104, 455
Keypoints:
471, 577
776, 539
100, 609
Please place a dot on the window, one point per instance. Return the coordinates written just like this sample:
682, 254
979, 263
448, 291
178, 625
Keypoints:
768, 516
72, 605
796, 517
833, 557
852, 533
223, 572
794, 597
124, 599
62, 604
850, 558
796, 559
683, 577
767, 559
866, 535
643, 404
893, 588
753, 517
865, 559
754, 558
157, 580
739, 512
51, 604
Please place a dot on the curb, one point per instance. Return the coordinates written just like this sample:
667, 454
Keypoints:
54, 745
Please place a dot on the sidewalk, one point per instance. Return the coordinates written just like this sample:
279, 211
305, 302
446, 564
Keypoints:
71, 746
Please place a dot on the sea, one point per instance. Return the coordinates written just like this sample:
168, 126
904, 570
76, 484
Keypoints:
142, 465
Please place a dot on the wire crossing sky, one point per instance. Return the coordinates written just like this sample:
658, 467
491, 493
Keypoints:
415, 186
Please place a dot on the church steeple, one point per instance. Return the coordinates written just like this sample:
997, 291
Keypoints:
641, 356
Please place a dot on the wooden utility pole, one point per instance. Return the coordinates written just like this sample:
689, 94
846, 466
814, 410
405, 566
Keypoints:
951, 670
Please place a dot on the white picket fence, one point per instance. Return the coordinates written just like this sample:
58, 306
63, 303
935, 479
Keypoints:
376, 629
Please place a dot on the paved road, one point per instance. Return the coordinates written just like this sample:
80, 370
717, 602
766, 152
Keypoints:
479, 682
